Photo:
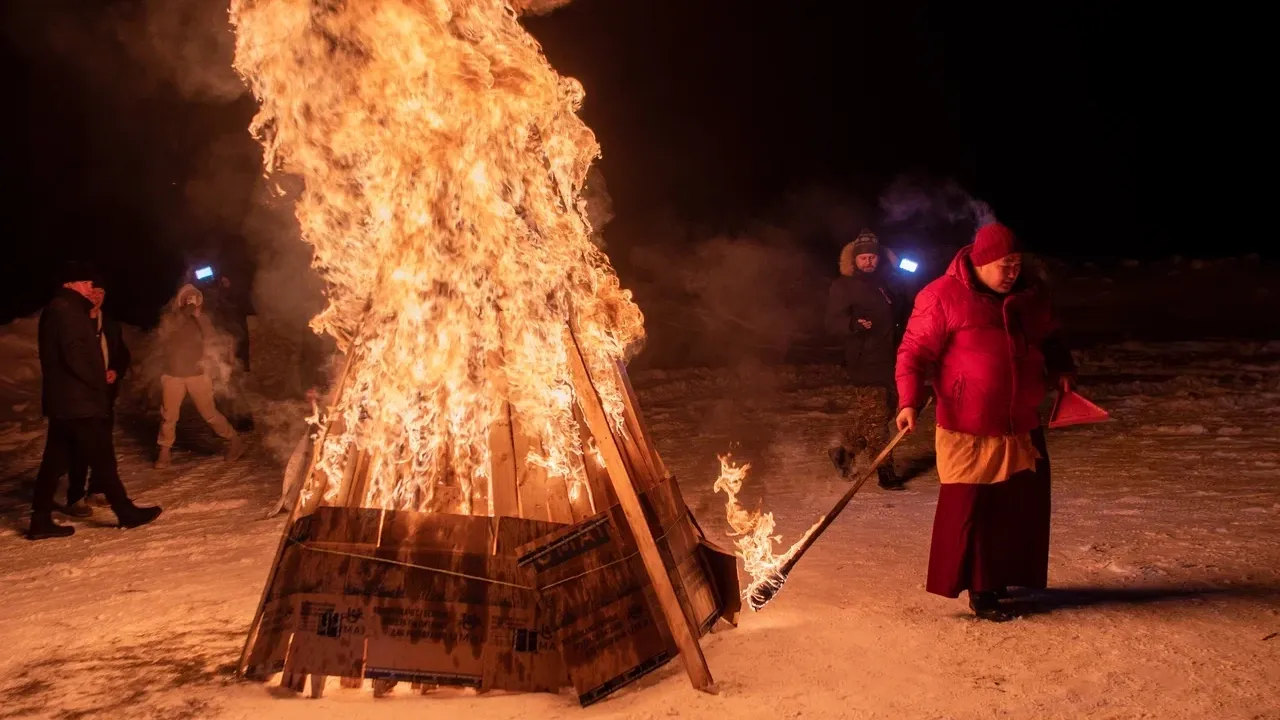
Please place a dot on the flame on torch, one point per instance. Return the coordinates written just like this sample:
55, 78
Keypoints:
753, 532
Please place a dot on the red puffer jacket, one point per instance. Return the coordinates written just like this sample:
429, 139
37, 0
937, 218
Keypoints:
988, 352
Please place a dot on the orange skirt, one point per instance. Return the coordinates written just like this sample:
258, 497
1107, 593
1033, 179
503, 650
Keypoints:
991, 528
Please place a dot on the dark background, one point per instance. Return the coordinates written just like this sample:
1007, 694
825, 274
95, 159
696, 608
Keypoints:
1095, 129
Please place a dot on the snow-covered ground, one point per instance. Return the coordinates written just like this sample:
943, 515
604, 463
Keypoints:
1165, 568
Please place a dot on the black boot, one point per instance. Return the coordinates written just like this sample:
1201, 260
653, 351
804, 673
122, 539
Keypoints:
134, 516
888, 479
79, 509
842, 459
43, 527
986, 605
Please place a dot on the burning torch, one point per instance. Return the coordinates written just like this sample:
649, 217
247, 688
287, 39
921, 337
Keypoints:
764, 589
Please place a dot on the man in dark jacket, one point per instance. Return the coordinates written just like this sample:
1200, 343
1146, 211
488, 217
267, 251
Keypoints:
77, 402
866, 311
117, 358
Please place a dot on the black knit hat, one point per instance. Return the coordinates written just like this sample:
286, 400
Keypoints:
866, 244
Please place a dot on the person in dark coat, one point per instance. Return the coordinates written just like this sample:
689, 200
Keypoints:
116, 355
76, 400
866, 310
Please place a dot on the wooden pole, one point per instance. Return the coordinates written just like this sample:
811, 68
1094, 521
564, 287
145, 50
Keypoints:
695, 664
762, 594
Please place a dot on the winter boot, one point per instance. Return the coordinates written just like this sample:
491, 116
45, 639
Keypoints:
134, 516
43, 527
79, 509
165, 458
842, 460
888, 479
235, 448
986, 606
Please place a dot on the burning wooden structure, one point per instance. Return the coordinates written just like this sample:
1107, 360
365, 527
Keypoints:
483, 506
594, 592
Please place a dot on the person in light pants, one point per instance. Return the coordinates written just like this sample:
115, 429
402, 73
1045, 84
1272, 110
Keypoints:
185, 375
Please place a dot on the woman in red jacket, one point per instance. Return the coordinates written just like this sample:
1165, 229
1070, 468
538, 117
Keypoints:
985, 335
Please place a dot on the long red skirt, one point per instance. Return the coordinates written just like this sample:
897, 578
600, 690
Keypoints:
991, 536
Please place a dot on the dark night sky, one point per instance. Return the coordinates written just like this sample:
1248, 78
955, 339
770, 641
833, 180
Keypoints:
1088, 128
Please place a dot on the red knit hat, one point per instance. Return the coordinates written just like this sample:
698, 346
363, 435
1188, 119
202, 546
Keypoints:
993, 242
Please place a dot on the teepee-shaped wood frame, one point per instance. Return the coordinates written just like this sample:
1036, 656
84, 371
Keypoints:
625, 489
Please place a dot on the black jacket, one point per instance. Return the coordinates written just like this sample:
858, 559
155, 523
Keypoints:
869, 353
119, 358
74, 378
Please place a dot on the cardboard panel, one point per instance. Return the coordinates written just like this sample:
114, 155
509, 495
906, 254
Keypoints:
602, 612
492, 603
329, 635
267, 655
722, 570
432, 604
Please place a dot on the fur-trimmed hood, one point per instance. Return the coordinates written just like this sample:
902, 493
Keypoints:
848, 267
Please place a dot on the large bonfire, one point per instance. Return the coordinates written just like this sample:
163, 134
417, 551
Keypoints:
443, 165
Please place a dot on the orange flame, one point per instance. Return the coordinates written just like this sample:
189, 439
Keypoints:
753, 531
443, 165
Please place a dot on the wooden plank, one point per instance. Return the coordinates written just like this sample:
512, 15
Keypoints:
602, 494
558, 499
641, 430
479, 503
506, 493
581, 497
296, 682
317, 685
686, 638
290, 679
361, 479
382, 687
354, 479
539, 498
639, 462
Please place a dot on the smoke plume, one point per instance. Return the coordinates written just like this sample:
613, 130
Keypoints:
189, 43
186, 45
753, 294
916, 200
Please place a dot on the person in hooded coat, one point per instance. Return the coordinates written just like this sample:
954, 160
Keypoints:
75, 397
187, 329
985, 335
866, 309
117, 358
